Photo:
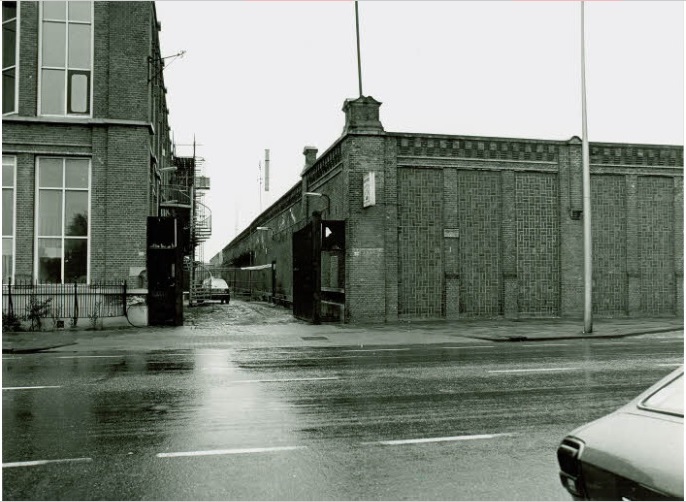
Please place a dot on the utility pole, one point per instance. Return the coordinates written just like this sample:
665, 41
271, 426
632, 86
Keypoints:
586, 180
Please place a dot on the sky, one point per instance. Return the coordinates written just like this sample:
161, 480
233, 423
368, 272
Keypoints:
274, 75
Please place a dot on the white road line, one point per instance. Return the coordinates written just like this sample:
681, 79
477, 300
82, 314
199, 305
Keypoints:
32, 463
438, 440
473, 347
532, 370
31, 388
674, 365
535, 344
236, 451
269, 380
375, 350
616, 343
89, 357
193, 354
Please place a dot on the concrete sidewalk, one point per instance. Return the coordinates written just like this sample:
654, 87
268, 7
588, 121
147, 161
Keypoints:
275, 327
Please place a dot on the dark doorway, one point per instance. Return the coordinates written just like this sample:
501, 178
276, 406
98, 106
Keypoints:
319, 271
303, 273
164, 265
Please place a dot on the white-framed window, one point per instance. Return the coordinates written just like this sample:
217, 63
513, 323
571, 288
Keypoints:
10, 57
66, 58
9, 175
62, 220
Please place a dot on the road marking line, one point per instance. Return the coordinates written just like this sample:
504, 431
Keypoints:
438, 440
285, 380
535, 344
375, 350
669, 364
532, 370
31, 388
473, 347
192, 354
615, 343
236, 451
32, 463
88, 357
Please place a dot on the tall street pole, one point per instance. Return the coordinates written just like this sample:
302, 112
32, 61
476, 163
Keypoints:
586, 180
359, 64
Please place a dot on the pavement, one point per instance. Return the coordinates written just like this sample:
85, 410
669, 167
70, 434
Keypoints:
245, 325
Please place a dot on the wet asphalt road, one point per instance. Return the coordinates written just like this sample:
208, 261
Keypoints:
424, 422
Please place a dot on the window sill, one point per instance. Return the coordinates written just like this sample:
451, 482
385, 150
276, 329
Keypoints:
51, 119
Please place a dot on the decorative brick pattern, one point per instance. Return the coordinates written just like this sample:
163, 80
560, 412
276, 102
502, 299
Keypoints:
637, 155
679, 242
476, 148
538, 233
656, 244
479, 214
609, 212
420, 233
324, 165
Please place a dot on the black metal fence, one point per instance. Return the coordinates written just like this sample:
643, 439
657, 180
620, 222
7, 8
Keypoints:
65, 300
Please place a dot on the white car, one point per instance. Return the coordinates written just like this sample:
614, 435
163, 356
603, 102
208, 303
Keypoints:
634, 453
217, 289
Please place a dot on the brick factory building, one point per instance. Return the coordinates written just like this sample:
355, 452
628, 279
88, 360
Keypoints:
85, 139
443, 226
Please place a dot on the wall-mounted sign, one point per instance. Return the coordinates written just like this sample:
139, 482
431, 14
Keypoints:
451, 233
369, 189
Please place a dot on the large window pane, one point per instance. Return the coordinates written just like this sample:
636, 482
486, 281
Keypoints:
76, 213
8, 91
52, 92
54, 44
9, 40
6, 259
50, 173
78, 92
54, 10
80, 46
80, 11
7, 172
75, 260
49, 260
9, 10
7, 211
76, 173
50, 212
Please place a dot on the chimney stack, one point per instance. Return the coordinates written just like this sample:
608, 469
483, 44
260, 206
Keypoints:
310, 154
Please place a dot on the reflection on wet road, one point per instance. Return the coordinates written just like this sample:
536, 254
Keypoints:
478, 421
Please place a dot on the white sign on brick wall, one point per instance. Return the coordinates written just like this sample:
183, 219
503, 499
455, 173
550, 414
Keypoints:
369, 189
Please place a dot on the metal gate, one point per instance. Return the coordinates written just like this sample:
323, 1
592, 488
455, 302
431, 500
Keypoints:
303, 274
164, 266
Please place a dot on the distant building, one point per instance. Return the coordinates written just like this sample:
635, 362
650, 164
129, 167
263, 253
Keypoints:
443, 226
85, 139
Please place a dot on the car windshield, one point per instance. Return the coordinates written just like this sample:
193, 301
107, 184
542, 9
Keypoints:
669, 399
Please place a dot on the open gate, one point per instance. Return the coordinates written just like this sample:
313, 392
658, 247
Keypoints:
306, 253
319, 271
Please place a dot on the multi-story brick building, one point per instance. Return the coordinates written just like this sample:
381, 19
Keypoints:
443, 226
85, 139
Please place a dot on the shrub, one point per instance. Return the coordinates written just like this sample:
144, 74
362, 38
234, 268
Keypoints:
10, 322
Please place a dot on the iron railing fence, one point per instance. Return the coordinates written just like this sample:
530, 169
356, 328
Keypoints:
66, 300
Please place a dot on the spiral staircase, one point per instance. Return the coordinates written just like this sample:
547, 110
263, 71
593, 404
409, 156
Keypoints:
183, 197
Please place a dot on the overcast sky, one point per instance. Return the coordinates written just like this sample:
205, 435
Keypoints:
259, 74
